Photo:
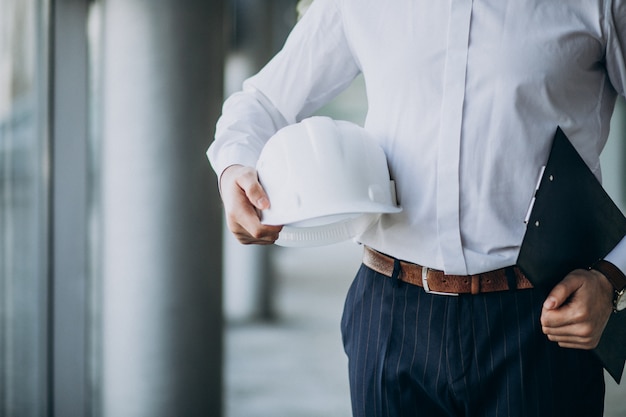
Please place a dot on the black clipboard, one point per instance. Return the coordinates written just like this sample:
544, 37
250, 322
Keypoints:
572, 223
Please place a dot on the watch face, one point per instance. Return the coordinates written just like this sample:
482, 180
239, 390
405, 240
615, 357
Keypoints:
621, 301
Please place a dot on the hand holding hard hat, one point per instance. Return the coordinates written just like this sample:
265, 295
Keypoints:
243, 199
327, 181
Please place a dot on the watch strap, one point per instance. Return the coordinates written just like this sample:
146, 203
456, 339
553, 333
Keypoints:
615, 276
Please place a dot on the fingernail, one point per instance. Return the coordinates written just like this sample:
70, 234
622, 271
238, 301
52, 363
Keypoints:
549, 303
262, 203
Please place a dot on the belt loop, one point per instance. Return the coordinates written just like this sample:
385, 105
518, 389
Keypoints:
511, 278
475, 284
397, 270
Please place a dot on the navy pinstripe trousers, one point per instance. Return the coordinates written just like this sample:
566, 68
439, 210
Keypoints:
417, 354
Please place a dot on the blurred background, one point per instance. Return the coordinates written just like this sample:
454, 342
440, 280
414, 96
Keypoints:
120, 292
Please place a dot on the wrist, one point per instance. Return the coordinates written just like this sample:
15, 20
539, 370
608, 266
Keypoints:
226, 173
617, 279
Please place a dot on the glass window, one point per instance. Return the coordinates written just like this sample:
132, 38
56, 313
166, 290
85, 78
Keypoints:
23, 207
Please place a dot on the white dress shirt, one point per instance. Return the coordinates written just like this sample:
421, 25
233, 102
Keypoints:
464, 96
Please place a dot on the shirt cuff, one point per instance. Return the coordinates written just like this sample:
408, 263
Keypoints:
232, 155
618, 255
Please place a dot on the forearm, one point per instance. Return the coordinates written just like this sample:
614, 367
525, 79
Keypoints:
248, 120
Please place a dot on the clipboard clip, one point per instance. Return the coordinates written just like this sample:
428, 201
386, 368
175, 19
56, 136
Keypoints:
532, 202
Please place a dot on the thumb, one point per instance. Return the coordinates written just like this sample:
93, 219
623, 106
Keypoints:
561, 293
256, 194
246, 180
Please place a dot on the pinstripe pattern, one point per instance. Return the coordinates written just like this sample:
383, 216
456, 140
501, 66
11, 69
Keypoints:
417, 354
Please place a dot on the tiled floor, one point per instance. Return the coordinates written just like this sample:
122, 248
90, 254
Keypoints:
296, 367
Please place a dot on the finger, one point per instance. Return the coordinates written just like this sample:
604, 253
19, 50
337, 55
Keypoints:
576, 346
583, 346
249, 220
246, 239
583, 330
262, 234
557, 311
558, 318
246, 226
574, 342
244, 198
584, 335
262, 237
562, 292
567, 339
254, 191
237, 181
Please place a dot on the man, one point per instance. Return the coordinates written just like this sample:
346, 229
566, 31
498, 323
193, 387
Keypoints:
465, 97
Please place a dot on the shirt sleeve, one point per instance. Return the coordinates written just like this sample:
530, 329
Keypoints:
616, 44
315, 64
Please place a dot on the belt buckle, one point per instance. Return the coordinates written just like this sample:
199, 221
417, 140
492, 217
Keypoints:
427, 288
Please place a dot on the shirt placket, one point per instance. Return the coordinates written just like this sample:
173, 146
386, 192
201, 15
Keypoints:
448, 157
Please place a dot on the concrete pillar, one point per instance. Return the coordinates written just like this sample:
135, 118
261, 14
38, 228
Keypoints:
69, 283
161, 215
259, 31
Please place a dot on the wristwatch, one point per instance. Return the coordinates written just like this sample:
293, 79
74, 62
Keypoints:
617, 278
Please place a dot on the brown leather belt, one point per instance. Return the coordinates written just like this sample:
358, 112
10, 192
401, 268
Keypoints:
438, 282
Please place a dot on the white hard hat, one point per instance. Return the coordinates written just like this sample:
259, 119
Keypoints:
326, 180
